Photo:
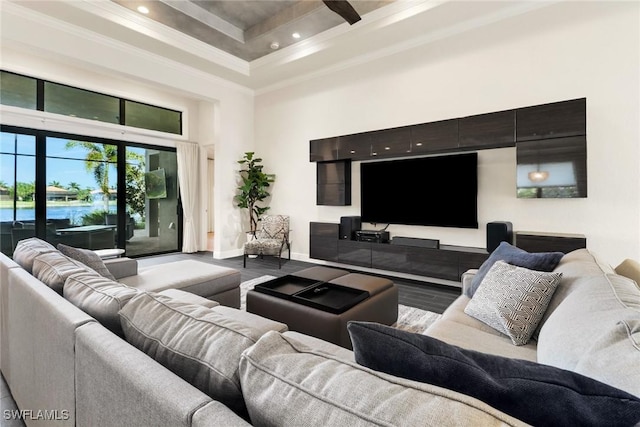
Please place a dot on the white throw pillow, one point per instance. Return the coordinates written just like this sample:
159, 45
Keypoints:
513, 300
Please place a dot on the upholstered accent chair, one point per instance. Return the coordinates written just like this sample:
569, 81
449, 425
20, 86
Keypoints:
270, 239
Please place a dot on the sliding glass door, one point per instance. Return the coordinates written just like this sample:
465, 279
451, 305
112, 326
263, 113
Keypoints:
81, 193
152, 201
17, 189
89, 193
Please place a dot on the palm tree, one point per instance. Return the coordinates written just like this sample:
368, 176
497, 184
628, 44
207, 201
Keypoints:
55, 184
74, 186
98, 159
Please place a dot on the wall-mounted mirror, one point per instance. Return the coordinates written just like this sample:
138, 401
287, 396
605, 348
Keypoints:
552, 168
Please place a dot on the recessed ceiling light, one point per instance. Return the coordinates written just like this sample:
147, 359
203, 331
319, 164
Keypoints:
295, 35
275, 45
143, 9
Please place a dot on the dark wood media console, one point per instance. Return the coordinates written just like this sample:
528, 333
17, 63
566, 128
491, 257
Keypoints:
447, 262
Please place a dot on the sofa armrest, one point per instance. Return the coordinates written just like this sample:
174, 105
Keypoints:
467, 277
122, 267
116, 384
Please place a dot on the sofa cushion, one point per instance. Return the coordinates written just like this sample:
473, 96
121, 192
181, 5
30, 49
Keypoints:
53, 269
513, 300
585, 325
189, 275
88, 258
288, 383
577, 268
541, 261
28, 249
197, 343
99, 297
534, 393
614, 357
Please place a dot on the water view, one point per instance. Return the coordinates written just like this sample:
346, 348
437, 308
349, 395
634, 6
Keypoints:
73, 212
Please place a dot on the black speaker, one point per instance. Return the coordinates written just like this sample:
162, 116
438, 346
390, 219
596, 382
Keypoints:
499, 231
348, 227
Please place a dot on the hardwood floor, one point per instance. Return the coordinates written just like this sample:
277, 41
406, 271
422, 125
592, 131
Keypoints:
431, 297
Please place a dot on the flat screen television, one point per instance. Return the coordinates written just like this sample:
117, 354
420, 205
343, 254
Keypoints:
435, 191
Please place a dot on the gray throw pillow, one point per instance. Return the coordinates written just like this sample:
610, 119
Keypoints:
53, 269
540, 261
88, 258
513, 300
28, 249
537, 394
99, 297
197, 343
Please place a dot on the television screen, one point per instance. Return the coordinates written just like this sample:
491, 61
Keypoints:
437, 191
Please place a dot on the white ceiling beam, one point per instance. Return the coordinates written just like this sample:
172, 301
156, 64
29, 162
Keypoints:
209, 19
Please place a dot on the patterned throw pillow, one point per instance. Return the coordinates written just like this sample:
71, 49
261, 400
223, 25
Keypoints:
88, 258
513, 300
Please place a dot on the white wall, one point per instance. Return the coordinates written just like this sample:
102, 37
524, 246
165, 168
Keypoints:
216, 111
565, 51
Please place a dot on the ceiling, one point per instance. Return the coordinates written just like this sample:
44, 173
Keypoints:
247, 29
231, 40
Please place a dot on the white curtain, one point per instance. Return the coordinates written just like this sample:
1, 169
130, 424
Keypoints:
188, 166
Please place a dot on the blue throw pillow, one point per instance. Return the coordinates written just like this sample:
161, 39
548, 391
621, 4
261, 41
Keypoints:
534, 393
540, 261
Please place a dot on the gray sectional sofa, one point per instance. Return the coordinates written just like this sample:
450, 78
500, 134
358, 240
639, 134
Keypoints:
175, 344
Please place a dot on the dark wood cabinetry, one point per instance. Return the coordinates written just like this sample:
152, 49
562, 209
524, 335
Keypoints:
434, 137
447, 262
355, 147
552, 168
323, 149
323, 241
354, 253
493, 130
333, 183
549, 242
555, 120
391, 142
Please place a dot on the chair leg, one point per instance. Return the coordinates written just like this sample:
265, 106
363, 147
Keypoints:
244, 261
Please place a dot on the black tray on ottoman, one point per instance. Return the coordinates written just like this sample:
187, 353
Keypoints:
285, 287
313, 293
330, 297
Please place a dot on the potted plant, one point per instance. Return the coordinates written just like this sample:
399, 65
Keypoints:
253, 189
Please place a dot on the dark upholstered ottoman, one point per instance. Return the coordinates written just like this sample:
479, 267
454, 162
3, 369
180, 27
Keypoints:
381, 306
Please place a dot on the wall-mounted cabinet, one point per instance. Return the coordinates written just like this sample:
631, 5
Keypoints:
355, 147
333, 183
321, 150
552, 168
482, 131
434, 137
391, 142
550, 142
554, 120
493, 130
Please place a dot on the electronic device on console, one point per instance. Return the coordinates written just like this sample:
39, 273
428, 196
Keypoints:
374, 236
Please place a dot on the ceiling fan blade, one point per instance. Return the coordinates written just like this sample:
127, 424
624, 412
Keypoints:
344, 9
